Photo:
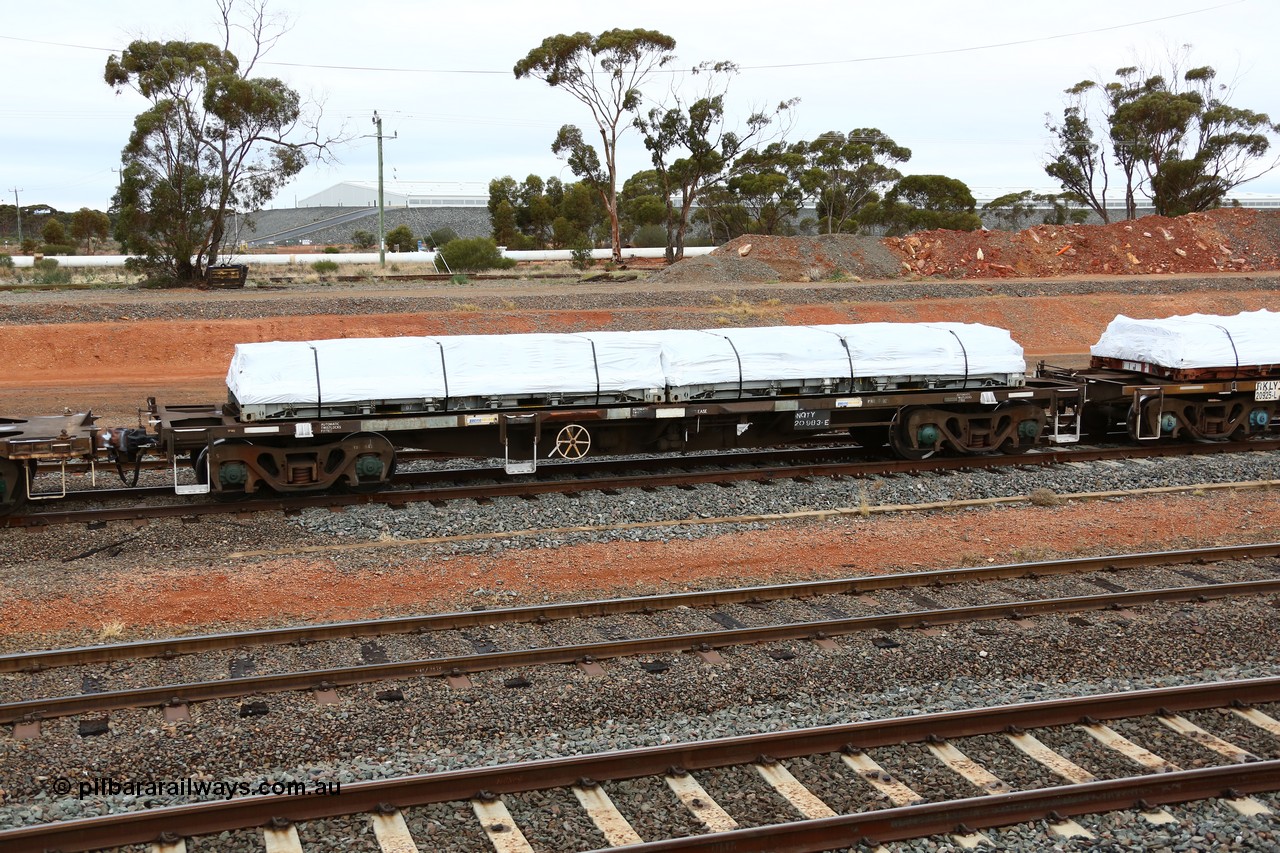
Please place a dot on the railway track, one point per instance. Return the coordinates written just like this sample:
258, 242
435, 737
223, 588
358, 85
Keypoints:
628, 624
602, 475
830, 787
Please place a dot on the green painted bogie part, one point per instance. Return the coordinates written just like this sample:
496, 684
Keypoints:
1168, 423
233, 473
1029, 429
369, 467
927, 435
1259, 419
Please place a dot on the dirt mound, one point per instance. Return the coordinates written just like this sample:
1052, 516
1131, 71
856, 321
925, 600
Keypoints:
1228, 240
763, 258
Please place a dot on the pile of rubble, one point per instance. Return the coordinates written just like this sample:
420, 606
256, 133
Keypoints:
1227, 240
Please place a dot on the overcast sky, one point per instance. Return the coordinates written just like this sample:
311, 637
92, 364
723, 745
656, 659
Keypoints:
964, 86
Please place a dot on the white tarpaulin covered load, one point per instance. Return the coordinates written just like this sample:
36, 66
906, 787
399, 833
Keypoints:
731, 356
715, 356
541, 365
486, 370
431, 368
1194, 341
930, 349
335, 371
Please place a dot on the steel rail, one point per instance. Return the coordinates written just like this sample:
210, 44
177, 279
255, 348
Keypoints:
139, 827
173, 646
295, 503
919, 821
497, 472
171, 694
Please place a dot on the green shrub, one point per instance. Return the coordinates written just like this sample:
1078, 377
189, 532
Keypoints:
441, 236
363, 240
650, 237
6, 262
47, 272
459, 278
332, 250
581, 254
474, 254
401, 239
323, 267
29, 246
57, 249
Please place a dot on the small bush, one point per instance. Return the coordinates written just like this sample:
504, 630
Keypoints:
363, 240
29, 246
6, 262
47, 272
324, 267
401, 239
476, 253
650, 237
459, 279
580, 252
1045, 497
441, 236
57, 249
332, 250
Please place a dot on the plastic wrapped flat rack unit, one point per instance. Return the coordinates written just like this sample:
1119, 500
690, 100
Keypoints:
1193, 347
332, 378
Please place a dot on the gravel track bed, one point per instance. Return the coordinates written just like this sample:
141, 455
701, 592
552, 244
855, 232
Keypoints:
563, 712
549, 818
164, 541
745, 796
423, 520
653, 809
268, 659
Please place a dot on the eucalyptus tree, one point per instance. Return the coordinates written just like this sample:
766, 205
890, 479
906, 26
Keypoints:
693, 146
1175, 139
215, 140
605, 73
846, 171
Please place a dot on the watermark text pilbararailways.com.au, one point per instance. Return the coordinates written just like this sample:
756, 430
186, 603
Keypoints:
204, 789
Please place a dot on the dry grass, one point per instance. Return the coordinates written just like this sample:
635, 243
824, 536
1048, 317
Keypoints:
1045, 497
110, 631
737, 312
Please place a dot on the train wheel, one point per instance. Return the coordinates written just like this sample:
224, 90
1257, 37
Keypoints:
375, 462
219, 490
926, 438
572, 442
1139, 419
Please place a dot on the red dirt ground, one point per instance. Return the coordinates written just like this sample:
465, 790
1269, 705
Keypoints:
288, 589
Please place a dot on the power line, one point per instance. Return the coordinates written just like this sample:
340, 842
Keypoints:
854, 60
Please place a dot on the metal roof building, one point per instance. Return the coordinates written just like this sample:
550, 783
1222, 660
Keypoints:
401, 194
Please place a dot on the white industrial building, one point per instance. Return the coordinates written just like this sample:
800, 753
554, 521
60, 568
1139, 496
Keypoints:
401, 194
